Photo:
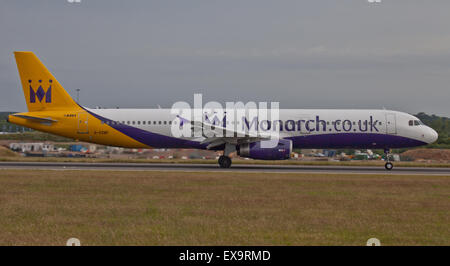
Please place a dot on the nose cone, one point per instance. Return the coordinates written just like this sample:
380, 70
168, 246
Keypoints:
432, 136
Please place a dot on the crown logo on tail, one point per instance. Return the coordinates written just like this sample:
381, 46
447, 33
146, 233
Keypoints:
40, 94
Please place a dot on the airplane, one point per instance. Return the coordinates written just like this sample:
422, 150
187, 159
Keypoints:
52, 110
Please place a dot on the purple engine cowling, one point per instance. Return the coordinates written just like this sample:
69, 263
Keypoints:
253, 150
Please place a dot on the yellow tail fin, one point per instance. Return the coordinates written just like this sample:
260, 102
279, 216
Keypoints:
42, 91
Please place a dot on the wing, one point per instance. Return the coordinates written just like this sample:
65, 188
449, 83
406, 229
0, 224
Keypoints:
221, 135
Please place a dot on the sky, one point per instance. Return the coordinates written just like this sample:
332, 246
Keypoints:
303, 54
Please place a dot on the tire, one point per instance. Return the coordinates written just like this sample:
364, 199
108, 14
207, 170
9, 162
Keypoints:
221, 158
224, 161
389, 166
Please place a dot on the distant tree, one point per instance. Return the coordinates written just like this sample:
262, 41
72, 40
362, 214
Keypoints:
440, 124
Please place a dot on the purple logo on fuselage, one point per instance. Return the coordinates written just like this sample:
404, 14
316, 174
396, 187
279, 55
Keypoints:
317, 124
311, 125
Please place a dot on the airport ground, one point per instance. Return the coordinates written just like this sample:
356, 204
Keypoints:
146, 201
236, 161
101, 207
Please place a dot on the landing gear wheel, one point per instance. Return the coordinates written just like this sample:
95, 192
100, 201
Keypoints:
388, 166
224, 161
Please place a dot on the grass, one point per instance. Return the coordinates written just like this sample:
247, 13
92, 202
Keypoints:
179, 208
209, 161
7, 153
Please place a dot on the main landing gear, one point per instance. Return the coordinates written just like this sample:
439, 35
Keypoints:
225, 160
388, 165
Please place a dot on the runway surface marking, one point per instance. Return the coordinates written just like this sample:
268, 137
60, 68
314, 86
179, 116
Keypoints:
328, 169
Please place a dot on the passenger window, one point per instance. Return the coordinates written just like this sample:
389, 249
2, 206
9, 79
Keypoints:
128, 122
139, 122
149, 122
154, 122
165, 122
159, 122
134, 122
143, 122
411, 123
170, 122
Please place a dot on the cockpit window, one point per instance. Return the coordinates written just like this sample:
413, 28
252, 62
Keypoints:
415, 123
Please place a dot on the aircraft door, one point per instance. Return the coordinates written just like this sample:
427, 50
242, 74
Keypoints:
83, 123
391, 125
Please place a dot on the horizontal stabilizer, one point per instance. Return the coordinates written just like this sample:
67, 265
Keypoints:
37, 119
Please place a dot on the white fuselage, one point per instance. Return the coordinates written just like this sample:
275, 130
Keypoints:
312, 128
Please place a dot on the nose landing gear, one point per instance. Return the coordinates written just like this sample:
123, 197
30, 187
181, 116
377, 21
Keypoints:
388, 165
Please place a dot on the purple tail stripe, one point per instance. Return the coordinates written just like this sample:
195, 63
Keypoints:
149, 138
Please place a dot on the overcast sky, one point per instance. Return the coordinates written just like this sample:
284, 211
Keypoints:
304, 54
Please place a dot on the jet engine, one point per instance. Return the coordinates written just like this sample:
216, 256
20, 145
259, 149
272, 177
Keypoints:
254, 150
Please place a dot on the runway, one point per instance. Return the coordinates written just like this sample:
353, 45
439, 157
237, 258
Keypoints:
326, 169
